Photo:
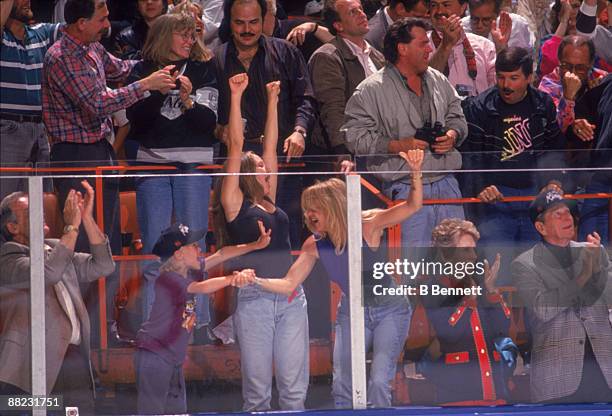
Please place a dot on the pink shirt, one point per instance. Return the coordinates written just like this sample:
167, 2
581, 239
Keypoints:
549, 55
484, 50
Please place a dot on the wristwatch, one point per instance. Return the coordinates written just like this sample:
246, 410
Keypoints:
70, 228
301, 130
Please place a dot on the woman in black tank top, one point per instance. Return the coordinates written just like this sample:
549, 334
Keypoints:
272, 329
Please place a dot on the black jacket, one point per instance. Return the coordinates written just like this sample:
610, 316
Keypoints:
596, 106
130, 41
275, 59
485, 145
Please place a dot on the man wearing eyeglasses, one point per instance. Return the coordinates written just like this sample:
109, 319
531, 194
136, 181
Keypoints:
504, 29
570, 80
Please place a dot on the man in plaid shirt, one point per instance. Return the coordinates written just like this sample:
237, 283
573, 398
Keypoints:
77, 104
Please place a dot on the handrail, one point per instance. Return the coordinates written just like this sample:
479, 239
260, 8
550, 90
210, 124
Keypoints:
374, 190
125, 168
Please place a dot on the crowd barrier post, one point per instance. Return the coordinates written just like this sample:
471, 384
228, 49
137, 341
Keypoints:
37, 291
353, 200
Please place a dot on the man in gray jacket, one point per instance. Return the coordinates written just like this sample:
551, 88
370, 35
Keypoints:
69, 371
566, 288
337, 67
383, 116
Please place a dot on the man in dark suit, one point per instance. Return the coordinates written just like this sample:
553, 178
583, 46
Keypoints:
396, 9
69, 371
566, 287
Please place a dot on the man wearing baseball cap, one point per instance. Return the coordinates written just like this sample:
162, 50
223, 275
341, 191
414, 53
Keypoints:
566, 288
163, 338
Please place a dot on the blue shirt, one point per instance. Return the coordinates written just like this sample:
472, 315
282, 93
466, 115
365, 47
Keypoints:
21, 68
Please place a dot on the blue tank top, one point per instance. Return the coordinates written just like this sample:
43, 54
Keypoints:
336, 266
273, 261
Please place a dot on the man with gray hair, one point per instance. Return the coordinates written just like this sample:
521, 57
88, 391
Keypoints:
69, 371
566, 287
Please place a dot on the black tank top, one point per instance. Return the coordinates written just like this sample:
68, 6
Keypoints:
273, 261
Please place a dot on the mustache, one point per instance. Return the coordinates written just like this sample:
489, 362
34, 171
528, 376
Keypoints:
247, 34
507, 91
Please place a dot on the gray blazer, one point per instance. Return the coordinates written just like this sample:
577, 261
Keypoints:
562, 315
378, 29
61, 264
335, 73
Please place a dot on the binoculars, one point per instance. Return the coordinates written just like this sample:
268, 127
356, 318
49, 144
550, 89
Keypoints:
428, 134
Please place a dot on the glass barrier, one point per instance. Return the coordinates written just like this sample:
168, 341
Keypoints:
362, 295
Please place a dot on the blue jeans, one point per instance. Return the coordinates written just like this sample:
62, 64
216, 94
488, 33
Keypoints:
416, 230
161, 385
157, 199
594, 215
508, 222
505, 228
272, 333
386, 330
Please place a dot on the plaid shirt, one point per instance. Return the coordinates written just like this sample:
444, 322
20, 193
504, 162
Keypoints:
76, 102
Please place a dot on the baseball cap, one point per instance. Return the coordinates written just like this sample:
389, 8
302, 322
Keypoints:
546, 200
175, 237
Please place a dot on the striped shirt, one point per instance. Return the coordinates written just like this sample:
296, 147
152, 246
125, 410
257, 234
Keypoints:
21, 68
77, 105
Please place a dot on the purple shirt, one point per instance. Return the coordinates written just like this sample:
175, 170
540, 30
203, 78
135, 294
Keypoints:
167, 331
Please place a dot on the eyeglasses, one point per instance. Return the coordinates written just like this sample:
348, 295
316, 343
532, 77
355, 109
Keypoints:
484, 20
185, 36
574, 68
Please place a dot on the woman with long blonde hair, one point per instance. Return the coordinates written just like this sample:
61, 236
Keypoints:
387, 318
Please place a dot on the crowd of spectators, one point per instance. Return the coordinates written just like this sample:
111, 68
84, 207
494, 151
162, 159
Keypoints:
471, 85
